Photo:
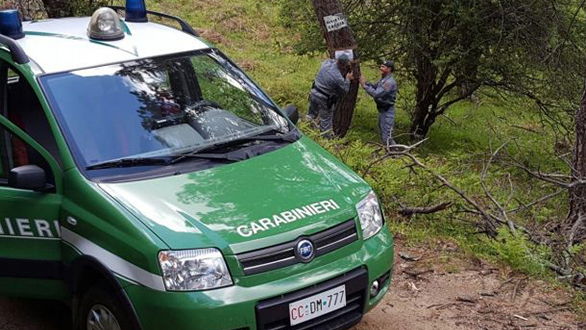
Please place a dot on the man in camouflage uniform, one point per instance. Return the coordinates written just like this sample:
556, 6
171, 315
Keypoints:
384, 93
331, 83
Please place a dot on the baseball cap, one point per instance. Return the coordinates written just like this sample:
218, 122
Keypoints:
343, 59
388, 64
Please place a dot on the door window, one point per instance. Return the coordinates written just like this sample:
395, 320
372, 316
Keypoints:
14, 153
20, 105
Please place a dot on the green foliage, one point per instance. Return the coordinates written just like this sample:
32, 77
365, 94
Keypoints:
519, 253
67, 8
294, 16
86, 8
578, 252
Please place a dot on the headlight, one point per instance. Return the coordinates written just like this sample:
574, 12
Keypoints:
370, 215
194, 270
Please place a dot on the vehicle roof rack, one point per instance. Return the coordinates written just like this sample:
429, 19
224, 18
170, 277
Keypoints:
17, 53
185, 27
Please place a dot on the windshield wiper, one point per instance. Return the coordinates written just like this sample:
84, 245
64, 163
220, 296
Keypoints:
129, 162
203, 152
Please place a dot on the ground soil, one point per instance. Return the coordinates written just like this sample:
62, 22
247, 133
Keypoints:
439, 288
433, 288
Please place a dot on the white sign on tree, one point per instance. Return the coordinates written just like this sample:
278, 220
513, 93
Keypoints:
335, 22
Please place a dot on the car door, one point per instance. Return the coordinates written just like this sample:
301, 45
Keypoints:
30, 245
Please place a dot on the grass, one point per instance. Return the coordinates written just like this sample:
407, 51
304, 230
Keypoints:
458, 147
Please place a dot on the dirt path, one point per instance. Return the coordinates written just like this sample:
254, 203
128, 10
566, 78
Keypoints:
438, 291
441, 291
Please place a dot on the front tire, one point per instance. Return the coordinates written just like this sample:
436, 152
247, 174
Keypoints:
100, 310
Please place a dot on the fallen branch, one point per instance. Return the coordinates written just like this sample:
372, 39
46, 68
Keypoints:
410, 211
491, 221
417, 273
407, 257
391, 150
553, 178
487, 192
516, 289
467, 299
537, 201
496, 215
526, 129
549, 311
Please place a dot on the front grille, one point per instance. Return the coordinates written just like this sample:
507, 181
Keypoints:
283, 255
273, 314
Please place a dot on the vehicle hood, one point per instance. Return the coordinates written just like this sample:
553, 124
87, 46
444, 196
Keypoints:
301, 189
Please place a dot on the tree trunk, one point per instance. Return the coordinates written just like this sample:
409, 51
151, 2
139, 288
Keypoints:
423, 118
30, 9
575, 224
426, 71
58, 8
424, 115
341, 39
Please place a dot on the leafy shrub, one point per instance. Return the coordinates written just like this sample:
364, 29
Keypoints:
519, 253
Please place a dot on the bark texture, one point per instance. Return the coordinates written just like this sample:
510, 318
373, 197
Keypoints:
575, 225
339, 40
30, 9
58, 8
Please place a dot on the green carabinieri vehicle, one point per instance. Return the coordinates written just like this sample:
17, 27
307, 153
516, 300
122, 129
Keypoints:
151, 184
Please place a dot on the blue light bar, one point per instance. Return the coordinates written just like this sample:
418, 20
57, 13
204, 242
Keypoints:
10, 24
136, 11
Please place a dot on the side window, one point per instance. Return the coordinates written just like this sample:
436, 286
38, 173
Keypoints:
24, 109
20, 105
14, 153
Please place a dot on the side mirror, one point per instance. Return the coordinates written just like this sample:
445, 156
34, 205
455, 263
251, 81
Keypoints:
30, 177
292, 112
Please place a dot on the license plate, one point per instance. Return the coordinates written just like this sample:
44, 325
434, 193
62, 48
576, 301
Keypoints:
317, 305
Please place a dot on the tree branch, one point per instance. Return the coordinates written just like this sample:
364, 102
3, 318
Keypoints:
409, 211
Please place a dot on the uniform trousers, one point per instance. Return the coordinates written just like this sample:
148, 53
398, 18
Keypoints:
386, 122
319, 107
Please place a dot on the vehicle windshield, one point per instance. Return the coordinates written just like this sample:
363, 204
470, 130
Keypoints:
158, 107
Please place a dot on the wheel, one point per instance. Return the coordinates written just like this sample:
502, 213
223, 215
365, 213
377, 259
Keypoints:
100, 310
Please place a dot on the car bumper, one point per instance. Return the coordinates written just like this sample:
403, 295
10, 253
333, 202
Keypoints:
243, 305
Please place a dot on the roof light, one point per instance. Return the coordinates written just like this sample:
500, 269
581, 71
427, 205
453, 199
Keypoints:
136, 11
105, 25
10, 24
